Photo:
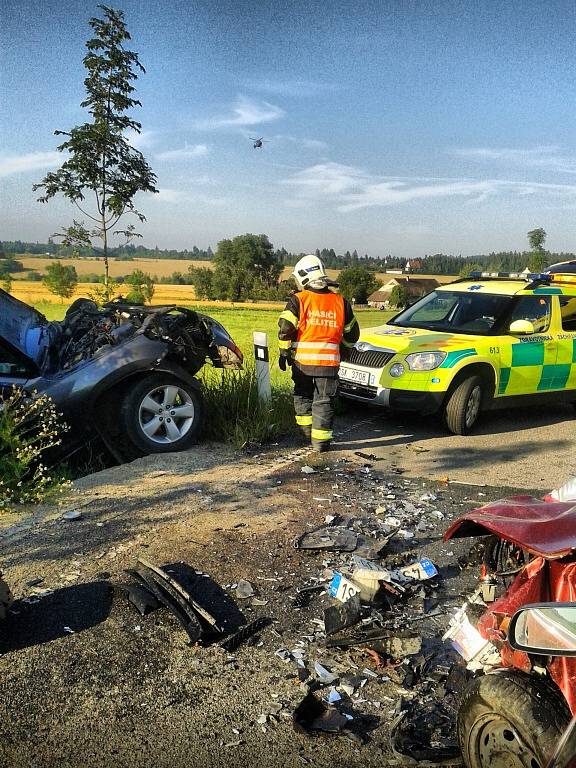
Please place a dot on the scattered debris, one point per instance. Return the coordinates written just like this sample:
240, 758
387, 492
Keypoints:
234, 641
313, 715
244, 589
338, 617
72, 514
333, 539
307, 470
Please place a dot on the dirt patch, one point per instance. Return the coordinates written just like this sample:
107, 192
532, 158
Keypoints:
88, 682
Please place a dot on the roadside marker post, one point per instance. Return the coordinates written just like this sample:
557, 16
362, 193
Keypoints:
262, 359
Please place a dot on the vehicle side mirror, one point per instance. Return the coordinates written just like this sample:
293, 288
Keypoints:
547, 629
523, 327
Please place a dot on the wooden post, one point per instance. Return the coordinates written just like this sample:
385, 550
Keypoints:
262, 365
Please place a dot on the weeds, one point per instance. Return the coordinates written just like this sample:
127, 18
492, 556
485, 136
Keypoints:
29, 426
236, 415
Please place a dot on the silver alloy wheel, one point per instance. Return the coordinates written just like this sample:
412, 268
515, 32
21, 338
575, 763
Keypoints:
473, 405
166, 414
500, 745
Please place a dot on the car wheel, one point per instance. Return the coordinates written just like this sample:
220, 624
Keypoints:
161, 414
463, 405
510, 720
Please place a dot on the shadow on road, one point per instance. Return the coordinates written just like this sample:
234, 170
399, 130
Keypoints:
65, 611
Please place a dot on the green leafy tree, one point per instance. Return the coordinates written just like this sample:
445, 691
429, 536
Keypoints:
101, 163
60, 280
202, 279
357, 283
538, 257
142, 287
245, 267
398, 296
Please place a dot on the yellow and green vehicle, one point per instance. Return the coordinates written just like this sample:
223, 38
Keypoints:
490, 340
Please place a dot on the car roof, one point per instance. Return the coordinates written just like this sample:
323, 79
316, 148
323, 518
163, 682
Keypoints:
512, 286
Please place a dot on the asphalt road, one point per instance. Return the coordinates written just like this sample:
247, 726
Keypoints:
529, 448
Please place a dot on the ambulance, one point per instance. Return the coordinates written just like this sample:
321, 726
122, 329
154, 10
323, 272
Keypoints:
490, 340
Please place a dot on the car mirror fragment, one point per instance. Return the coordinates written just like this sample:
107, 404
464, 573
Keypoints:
522, 327
547, 629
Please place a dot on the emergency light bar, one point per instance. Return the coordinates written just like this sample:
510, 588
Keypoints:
529, 278
532, 277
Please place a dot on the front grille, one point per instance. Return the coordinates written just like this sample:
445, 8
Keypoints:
371, 358
359, 390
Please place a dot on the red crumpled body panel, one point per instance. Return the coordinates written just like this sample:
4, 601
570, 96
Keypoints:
544, 528
540, 581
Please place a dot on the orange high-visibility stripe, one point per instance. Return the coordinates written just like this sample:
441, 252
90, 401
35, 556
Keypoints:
320, 329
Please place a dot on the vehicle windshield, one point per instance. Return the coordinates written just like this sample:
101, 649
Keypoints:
456, 312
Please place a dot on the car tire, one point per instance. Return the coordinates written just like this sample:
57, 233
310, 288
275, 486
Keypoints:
510, 718
161, 414
463, 405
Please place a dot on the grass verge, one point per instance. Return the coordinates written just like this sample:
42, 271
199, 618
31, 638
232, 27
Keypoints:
235, 413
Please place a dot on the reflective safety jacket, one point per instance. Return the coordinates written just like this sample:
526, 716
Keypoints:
313, 326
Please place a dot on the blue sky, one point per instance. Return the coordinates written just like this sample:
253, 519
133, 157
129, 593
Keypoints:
401, 127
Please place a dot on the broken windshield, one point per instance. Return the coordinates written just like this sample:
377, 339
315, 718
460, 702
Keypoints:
456, 312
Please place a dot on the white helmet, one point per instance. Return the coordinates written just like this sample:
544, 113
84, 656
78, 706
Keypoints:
309, 272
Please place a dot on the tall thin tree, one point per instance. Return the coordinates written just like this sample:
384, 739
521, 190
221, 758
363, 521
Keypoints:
102, 164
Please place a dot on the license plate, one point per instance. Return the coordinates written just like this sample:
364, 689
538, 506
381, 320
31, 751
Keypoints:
350, 374
342, 589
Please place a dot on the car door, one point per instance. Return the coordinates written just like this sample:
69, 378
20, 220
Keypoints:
529, 361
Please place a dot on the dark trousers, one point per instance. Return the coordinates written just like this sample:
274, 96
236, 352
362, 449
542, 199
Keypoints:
314, 406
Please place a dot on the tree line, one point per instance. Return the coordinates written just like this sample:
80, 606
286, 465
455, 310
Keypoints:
435, 264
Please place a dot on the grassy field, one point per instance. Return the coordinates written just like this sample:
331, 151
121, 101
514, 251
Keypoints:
236, 414
240, 322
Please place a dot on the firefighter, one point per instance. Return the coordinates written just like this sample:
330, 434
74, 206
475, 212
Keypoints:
314, 325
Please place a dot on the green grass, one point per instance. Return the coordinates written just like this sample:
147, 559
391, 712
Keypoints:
235, 413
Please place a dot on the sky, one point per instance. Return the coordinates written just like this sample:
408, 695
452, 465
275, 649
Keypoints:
403, 128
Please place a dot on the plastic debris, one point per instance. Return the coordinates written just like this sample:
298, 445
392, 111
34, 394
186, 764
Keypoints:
313, 715
324, 675
72, 514
244, 589
329, 539
232, 642
339, 617
307, 470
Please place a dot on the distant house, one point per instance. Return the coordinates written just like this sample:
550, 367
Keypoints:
415, 288
413, 265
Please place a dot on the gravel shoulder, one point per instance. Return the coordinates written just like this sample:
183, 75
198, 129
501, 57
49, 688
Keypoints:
87, 682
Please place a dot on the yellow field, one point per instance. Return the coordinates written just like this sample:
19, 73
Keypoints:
163, 268
35, 293
85, 266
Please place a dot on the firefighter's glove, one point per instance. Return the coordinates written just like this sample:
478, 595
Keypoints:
284, 361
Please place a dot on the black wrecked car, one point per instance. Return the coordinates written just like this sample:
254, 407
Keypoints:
123, 372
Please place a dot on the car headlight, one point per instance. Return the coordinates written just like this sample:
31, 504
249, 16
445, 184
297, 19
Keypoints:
396, 370
425, 361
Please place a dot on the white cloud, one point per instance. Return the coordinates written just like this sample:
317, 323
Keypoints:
182, 197
549, 157
185, 153
245, 112
32, 161
350, 188
142, 140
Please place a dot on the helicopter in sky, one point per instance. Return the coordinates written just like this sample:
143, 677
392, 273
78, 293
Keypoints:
257, 142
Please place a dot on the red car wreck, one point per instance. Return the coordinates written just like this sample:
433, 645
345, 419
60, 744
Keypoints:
546, 530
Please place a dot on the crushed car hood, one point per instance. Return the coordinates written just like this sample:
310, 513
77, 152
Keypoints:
23, 327
546, 529
399, 339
